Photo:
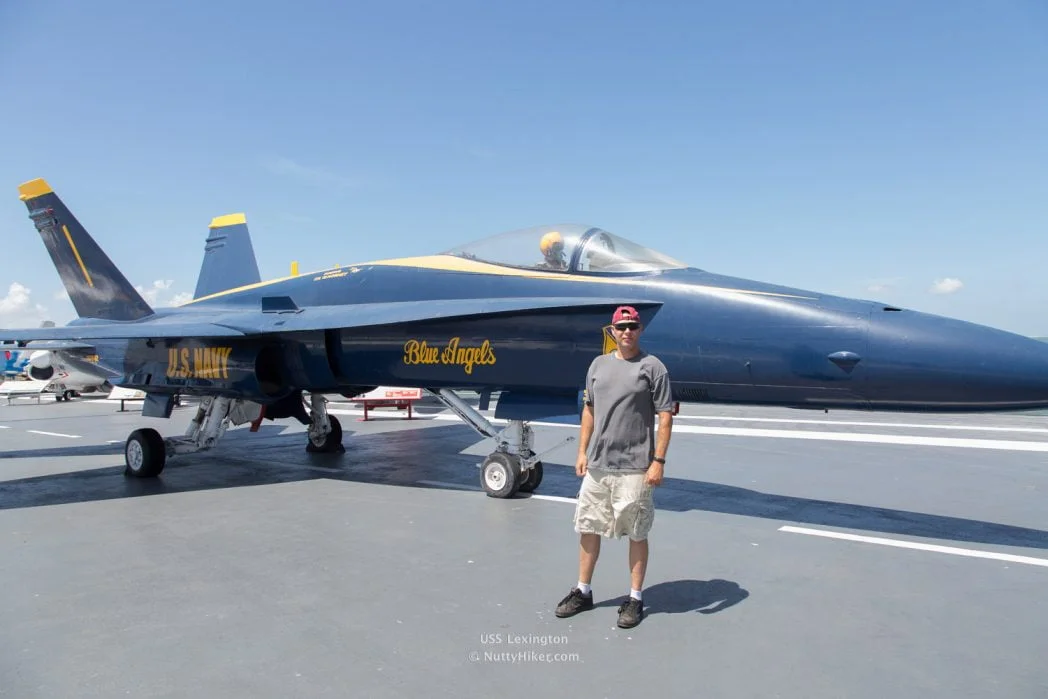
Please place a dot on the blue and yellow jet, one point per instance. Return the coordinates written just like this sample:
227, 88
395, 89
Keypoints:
14, 363
521, 314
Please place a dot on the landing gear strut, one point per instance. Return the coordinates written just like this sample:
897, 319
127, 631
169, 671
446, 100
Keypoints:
146, 452
325, 431
514, 466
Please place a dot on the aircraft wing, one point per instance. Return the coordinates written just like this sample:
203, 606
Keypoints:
56, 345
281, 315
114, 331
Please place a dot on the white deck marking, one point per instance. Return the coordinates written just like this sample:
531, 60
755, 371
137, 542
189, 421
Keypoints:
55, 434
460, 486
952, 550
918, 425
4, 427
554, 498
1005, 444
912, 440
974, 553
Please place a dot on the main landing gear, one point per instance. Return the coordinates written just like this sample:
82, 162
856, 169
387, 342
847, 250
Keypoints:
146, 452
514, 466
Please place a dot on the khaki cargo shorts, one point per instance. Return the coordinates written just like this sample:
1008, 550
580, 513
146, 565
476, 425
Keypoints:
615, 504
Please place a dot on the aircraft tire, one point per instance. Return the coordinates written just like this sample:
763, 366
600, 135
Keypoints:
531, 478
144, 454
332, 440
500, 475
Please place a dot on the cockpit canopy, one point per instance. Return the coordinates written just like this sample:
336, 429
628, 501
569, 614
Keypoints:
566, 248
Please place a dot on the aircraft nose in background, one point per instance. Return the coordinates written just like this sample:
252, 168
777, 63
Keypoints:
921, 361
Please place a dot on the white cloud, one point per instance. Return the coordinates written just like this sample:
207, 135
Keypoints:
17, 299
152, 294
946, 286
180, 298
17, 309
159, 294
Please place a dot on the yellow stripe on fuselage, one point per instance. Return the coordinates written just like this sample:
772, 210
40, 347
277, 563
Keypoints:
453, 263
77, 253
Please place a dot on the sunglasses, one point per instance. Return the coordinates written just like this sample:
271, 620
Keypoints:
627, 326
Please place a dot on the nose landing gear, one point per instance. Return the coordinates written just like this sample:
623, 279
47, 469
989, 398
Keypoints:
514, 466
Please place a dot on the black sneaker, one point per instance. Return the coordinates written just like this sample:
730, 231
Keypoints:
574, 603
630, 613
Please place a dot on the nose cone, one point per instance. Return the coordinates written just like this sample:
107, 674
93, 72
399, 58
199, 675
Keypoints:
925, 362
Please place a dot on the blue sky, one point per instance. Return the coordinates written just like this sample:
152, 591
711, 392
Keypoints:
885, 150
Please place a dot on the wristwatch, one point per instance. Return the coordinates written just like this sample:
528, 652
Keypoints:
660, 460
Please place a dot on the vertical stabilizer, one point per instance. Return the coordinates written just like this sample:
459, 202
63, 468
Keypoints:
229, 257
95, 286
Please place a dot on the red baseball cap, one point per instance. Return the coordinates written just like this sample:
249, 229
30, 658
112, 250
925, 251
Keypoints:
625, 314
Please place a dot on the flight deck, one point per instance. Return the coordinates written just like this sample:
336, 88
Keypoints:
794, 554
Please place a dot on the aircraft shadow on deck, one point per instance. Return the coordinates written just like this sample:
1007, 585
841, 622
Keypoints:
398, 458
86, 450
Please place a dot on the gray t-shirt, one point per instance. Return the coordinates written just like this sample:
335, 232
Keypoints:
626, 395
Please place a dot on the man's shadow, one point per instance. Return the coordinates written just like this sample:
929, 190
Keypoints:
681, 596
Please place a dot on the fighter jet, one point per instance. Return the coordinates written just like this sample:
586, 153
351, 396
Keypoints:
521, 315
14, 363
67, 377
229, 260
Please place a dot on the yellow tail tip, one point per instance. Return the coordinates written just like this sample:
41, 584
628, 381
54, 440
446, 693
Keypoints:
227, 220
33, 189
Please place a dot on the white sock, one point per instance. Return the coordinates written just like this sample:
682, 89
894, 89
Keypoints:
584, 588
635, 594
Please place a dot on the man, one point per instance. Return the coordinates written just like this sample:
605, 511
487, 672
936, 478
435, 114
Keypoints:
620, 460
552, 247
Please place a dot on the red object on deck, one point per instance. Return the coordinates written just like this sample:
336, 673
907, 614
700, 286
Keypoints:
389, 396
